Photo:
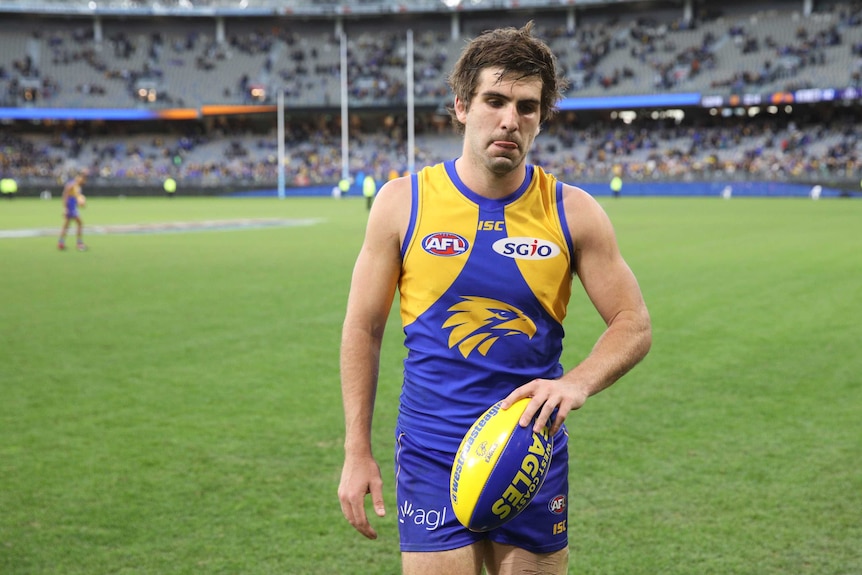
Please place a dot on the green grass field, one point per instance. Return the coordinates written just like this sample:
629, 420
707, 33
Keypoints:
170, 403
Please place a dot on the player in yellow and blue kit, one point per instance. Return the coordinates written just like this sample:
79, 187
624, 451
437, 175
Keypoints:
482, 251
72, 198
467, 347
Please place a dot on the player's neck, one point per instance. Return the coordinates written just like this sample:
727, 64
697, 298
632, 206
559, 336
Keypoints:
485, 182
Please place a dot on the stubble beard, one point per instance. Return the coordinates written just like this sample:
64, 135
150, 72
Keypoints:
502, 166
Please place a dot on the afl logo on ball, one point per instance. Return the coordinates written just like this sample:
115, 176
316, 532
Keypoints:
445, 244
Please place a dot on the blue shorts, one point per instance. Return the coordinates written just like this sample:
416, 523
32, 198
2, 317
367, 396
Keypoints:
71, 205
426, 521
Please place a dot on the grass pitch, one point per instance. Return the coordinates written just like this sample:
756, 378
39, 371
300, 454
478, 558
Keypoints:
169, 402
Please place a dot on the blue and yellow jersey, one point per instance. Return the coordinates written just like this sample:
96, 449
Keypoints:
484, 289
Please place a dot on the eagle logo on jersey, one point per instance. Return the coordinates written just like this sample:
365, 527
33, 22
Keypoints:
478, 322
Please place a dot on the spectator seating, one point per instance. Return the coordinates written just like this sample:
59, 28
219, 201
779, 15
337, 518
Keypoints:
192, 62
189, 62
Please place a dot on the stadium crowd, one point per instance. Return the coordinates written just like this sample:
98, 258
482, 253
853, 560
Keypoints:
770, 147
745, 46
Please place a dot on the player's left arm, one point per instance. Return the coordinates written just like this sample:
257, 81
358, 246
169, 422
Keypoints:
614, 291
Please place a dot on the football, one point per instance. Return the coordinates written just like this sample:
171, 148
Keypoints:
499, 467
82, 200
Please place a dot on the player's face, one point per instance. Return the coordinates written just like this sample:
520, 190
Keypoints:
501, 121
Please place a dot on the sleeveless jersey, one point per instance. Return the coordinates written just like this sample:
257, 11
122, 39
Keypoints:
484, 288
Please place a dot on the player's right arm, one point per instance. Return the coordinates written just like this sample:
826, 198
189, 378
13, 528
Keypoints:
372, 289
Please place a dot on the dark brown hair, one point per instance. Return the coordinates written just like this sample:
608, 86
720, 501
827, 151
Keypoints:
519, 54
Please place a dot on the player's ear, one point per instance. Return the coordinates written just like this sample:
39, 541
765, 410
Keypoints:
461, 108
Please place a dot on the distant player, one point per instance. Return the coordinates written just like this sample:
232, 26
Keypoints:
73, 198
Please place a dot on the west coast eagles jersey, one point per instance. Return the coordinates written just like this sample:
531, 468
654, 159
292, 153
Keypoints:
484, 288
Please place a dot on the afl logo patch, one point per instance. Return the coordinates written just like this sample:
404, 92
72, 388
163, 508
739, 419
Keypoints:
445, 244
526, 248
557, 505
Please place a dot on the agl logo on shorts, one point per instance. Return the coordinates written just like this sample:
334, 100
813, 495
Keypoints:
428, 519
526, 248
445, 244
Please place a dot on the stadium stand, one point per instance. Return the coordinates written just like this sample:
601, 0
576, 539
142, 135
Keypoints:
191, 55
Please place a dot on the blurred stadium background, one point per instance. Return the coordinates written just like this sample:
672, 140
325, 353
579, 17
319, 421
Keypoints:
681, 96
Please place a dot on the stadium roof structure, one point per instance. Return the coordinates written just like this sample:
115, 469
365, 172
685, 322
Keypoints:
321, 8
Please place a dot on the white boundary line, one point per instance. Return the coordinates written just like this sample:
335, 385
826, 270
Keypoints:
169, 227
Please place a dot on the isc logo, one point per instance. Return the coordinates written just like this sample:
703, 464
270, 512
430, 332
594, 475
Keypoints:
490, 226
526, 248
445, 244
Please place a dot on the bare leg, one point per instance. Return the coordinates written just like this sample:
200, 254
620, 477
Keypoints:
80, 235
509, 560
462, 561
61, 243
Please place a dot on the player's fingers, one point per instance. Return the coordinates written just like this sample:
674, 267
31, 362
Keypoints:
542, 416
377, 500
346, 506
517, 394
354, 512
531, 412
555, 416
556, 421
353, 508
367, 530
528, 390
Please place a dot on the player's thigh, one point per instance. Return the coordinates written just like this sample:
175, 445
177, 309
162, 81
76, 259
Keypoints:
462, 561
510, 560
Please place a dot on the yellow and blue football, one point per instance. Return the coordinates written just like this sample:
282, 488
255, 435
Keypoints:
499, 467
